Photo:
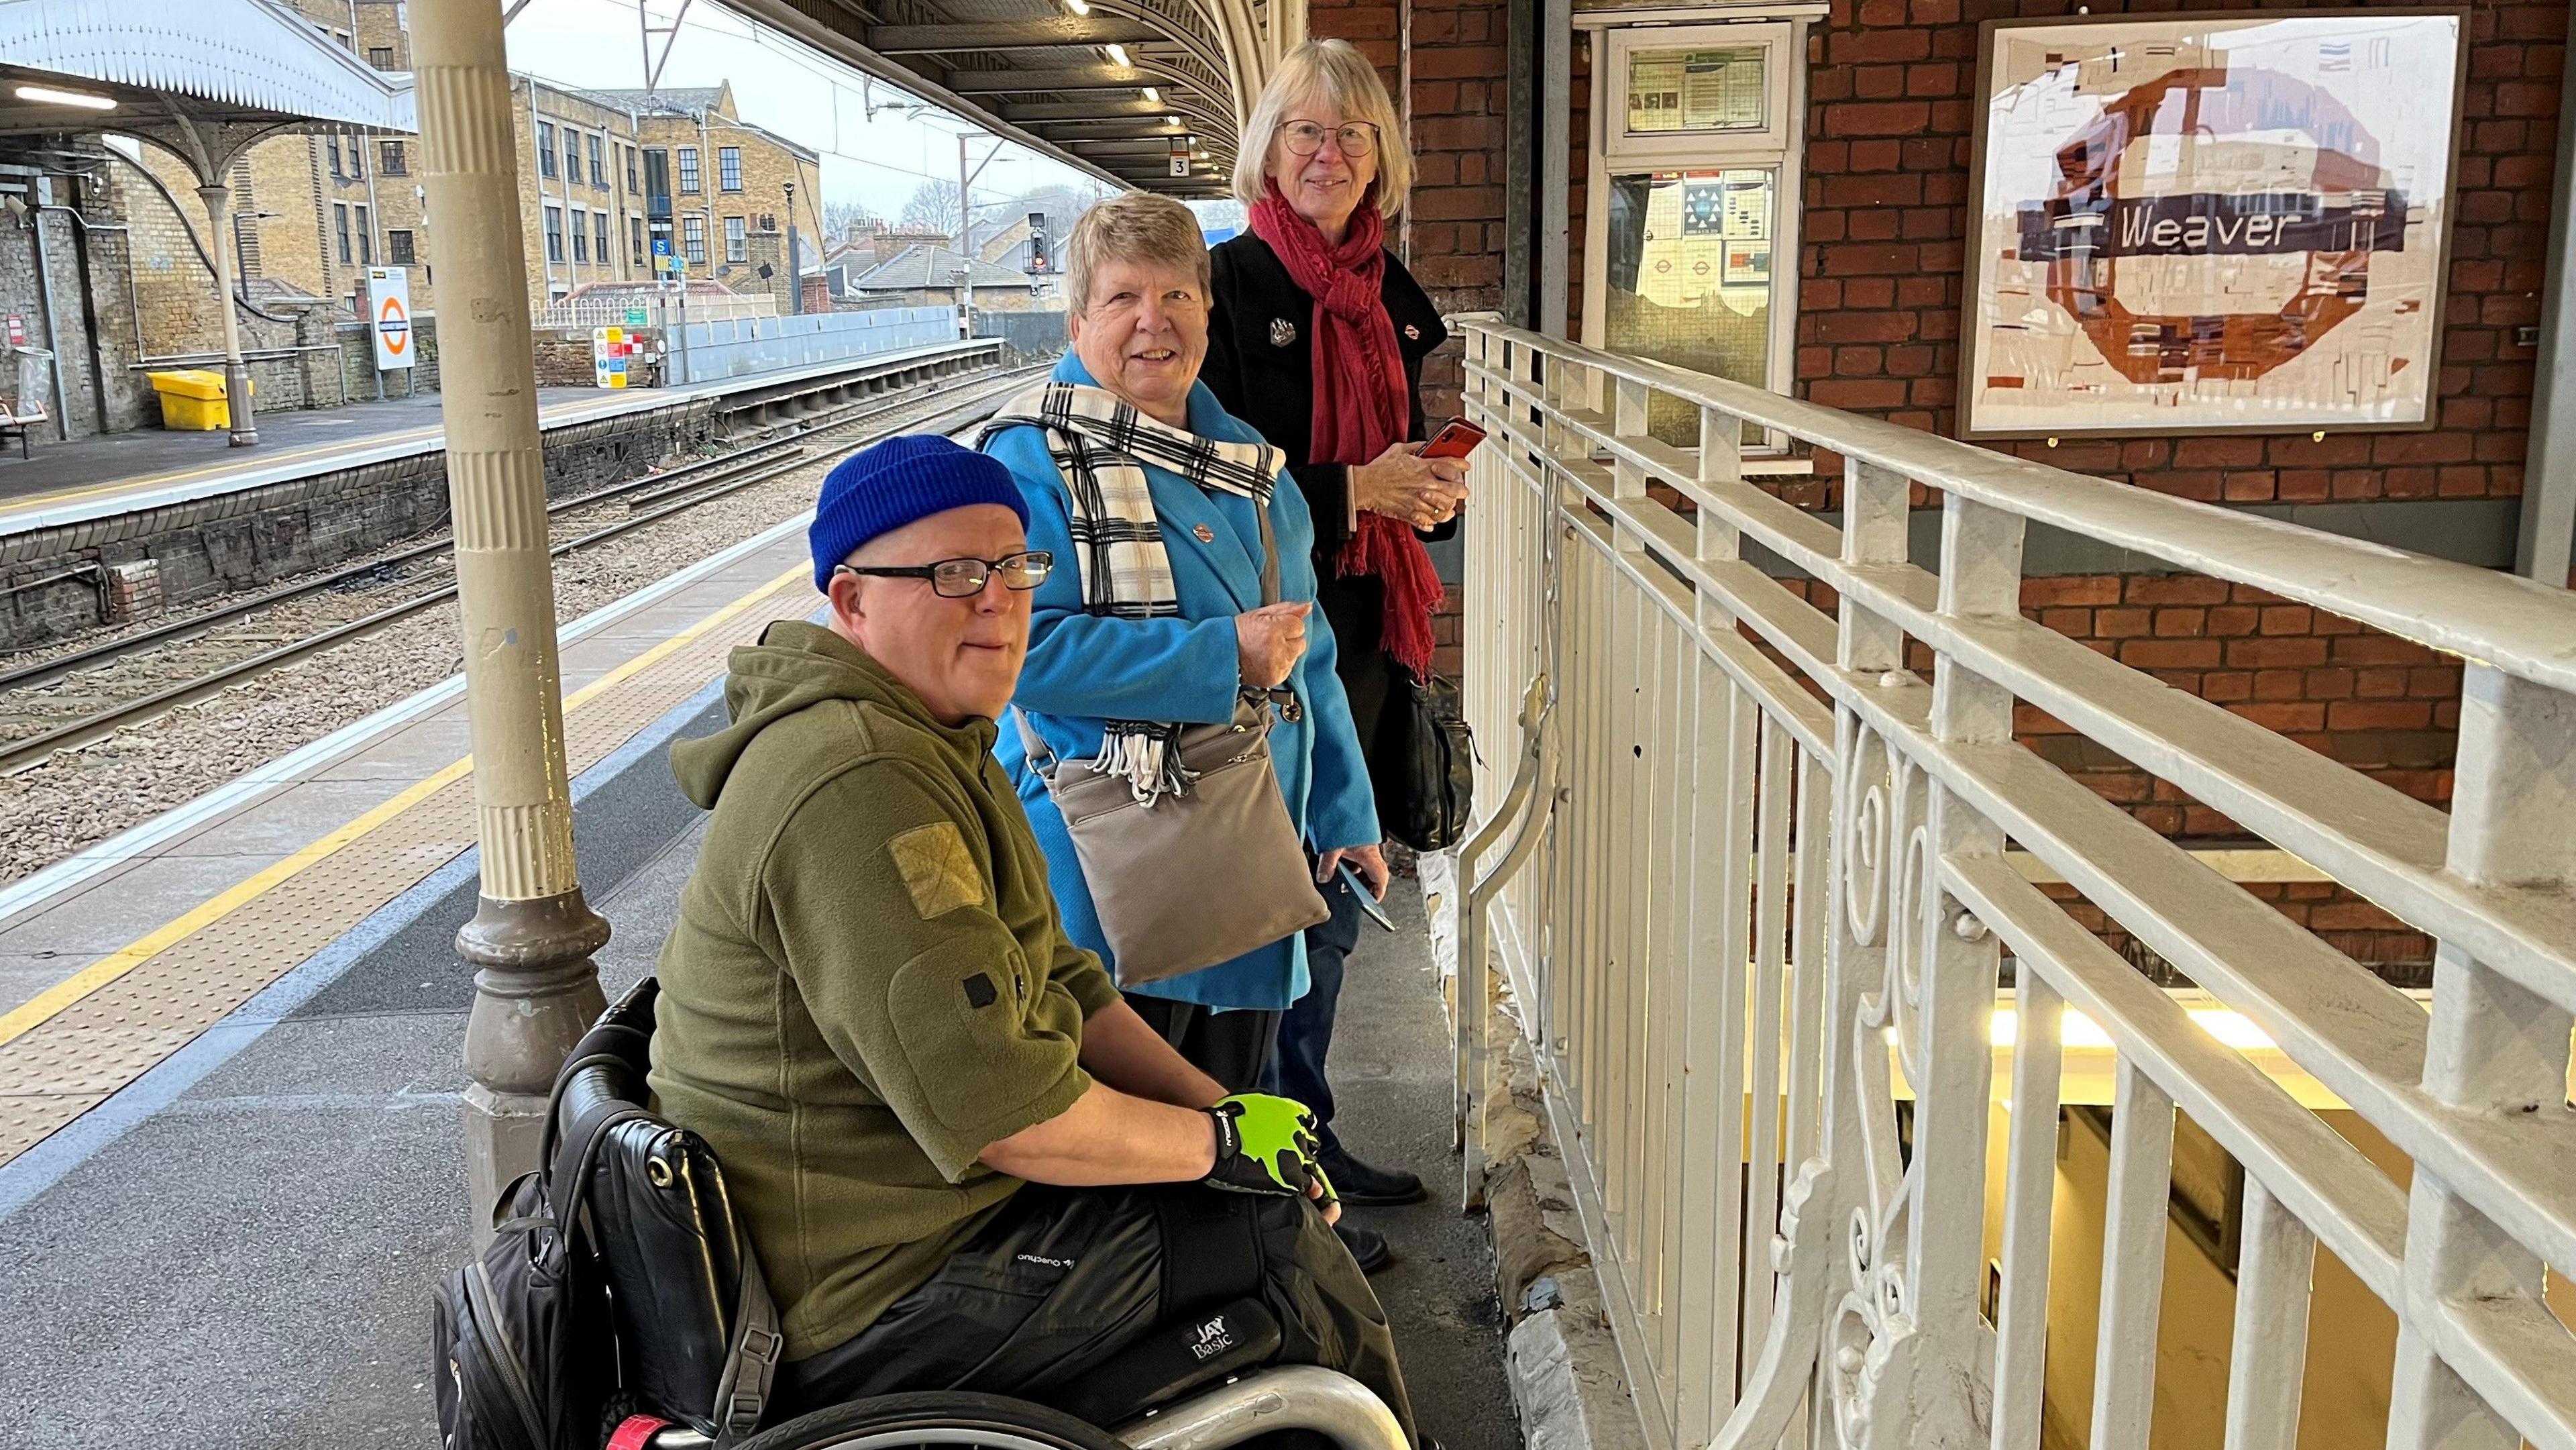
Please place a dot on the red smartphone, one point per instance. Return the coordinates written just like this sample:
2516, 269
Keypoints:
1455, 441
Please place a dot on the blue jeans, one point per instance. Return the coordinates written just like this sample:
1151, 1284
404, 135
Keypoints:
1296, 1070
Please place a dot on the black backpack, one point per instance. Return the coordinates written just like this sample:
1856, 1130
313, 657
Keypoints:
618, 1282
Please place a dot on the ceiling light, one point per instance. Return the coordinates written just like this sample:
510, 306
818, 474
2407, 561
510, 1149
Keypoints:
47, 95
1152, 94
1078, 7
1117, 53
1171, 120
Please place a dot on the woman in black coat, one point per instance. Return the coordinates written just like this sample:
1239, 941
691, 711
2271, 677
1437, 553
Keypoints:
1316, 337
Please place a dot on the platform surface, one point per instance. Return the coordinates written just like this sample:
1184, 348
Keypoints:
121, 472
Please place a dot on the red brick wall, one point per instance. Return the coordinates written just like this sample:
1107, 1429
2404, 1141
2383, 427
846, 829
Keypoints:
1891, 109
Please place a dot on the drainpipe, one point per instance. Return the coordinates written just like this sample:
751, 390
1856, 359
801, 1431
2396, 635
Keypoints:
81, 228
2548, 529
53, 340
532, 935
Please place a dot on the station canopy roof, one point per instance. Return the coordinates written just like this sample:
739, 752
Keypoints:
1104, 85
222, 68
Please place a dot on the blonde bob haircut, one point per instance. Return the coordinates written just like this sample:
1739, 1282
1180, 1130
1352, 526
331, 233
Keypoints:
1133, 226
1332, 71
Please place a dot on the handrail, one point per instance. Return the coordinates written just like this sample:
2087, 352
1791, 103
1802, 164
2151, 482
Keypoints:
1533, 781
2525, 628
1757, 891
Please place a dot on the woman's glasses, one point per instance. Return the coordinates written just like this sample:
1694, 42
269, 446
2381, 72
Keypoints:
966, 578
1305, 138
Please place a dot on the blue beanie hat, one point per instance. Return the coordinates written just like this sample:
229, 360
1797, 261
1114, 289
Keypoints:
880, 489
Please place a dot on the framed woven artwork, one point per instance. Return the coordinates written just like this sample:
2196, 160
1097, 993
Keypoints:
2203, 223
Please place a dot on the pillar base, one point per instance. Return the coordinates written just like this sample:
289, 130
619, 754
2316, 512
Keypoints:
238, 404
535, 994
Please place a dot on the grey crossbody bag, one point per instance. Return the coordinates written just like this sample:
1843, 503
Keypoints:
1196, 878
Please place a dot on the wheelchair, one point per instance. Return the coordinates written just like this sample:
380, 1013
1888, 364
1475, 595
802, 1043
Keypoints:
685, 1284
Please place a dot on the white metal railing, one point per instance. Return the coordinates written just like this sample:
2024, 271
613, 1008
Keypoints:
1757, 864
660, 309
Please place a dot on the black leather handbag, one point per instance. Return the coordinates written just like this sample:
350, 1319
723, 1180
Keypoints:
1426, 763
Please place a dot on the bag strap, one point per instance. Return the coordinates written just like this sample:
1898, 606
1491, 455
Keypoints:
1269, 555
751, 1360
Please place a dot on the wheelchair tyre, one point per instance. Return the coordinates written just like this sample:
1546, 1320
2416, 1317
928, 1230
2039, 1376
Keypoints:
940, 1418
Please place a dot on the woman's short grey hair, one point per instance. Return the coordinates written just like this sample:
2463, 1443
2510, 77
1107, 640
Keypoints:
1133, 226
1333, 71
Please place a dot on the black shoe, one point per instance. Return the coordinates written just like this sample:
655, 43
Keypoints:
1365, 1185
1369, 1248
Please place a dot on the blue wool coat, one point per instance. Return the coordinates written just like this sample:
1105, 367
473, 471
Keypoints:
1083, 669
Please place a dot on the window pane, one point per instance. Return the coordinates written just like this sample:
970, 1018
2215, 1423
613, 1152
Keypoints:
398, 248
729, 167
688, 168
1697, 90
1689, 279
545, 148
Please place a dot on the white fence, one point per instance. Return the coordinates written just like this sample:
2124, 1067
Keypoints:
661, 309
1753, 867
708, 351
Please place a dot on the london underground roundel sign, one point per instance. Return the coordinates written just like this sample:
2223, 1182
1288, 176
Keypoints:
2212, 224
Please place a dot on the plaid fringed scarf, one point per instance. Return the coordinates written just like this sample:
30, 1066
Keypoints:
1100, 444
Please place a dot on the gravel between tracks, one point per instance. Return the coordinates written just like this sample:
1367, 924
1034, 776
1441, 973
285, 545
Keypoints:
84, 796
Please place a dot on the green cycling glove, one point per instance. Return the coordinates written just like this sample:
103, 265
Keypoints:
1266, 1144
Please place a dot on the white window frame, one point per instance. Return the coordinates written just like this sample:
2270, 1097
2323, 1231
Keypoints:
737, 234
1781, 146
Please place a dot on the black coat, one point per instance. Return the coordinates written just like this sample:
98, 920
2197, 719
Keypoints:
1260, 363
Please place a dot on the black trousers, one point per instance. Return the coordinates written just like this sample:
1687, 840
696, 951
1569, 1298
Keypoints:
1232, 1047
1306, 1029
1048, 1295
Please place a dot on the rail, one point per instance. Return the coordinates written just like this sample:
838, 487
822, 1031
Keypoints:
1772, 904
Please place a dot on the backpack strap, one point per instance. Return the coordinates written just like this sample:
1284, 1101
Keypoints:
751, 1361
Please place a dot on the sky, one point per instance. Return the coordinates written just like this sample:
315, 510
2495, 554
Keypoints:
783, 86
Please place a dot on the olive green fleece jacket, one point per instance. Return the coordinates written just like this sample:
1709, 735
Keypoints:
867, 983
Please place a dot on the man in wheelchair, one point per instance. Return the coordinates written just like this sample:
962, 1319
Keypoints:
964, 1161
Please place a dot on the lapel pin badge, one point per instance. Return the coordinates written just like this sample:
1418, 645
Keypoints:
1282, 332
1412, 333
1205, 534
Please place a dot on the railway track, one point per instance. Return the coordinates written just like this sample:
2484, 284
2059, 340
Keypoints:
71, 700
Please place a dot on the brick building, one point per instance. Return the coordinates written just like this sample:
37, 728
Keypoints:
729, 192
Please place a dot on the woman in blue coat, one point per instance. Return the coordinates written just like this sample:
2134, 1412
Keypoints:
1127, 641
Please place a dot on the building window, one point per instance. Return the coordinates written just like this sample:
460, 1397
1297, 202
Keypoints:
398, 251
657, 181
366, 240
635, 237
689, 168
381, 56
599, 233
357, 159
1696, 165
598, 166
693, 239
631, 183
737, 248
572, 155
338, 170
545, 148
729, 167
390, 159
554, 234
340, 227
580, 239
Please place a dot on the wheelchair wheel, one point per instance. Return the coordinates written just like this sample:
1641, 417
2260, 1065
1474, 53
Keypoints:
942, 1418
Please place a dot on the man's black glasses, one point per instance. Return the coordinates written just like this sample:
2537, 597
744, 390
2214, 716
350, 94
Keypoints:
966, 578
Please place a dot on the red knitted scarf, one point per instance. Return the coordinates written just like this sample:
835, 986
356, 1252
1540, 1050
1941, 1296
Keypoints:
1361, 401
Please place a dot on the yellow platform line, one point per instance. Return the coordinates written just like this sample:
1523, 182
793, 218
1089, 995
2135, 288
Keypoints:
37, 1010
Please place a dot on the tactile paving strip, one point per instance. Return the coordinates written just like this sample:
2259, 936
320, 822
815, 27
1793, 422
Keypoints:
70, 1062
